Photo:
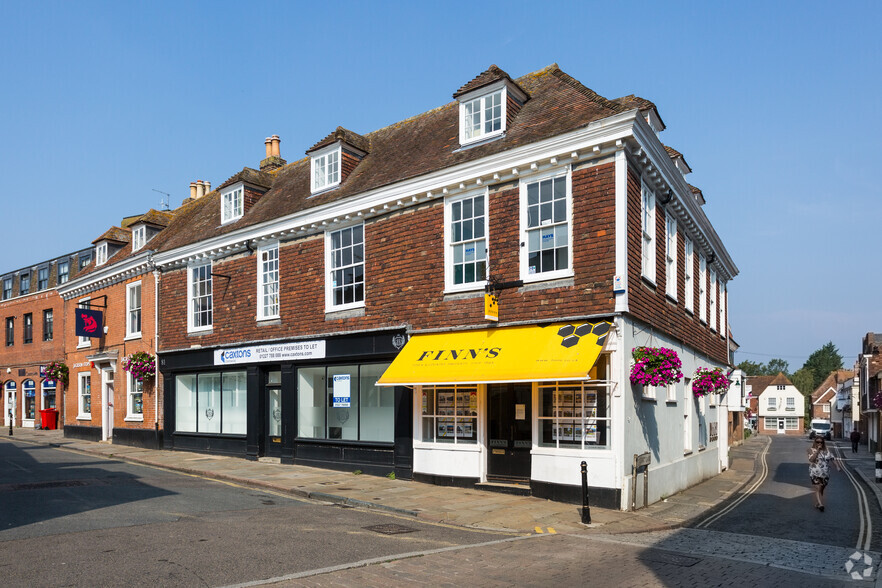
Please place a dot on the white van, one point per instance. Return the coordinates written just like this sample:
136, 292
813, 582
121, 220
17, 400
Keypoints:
820, 428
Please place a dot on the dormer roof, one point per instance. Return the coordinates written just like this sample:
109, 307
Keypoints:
155, 218
697, 193
678, 160
346, 136
252, 177
646, 108
485, 78
115, 235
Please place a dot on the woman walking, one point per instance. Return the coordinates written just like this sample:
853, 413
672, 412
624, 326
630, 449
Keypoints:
819, 469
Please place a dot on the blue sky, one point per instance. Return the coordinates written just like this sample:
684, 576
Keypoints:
774, 105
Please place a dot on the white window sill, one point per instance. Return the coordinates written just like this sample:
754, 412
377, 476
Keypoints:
671, 297
475, 141
84, 345
132, 337
649, 398
134, 419
546, 276
84, 417
199, 330
266, 319
344, 307
476, 287
649, 280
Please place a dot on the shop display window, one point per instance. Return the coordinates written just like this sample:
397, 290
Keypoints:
449, 414
575, 414
29, 389
213, 402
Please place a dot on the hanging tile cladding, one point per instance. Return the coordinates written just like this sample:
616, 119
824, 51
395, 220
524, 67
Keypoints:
350, 160
648, 303
404, 275
512, 106
250, 198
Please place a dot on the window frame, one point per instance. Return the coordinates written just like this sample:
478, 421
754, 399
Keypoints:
235, 196
262, 284
48, 325
42, 278
62, 277
10, 331
7, 291
101, 254
24, 283
702, 288
330, 269
689, 274
27, 328
84, 341
449, 244
130, 310
525, 229
647, 230
321, 157
724, 328
603, 403
192, 326
772, 403
132, 385
670, 255
139, 237
712, 303
28, 385
481, 96
81, 413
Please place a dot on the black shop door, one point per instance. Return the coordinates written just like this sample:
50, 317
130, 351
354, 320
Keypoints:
510, 434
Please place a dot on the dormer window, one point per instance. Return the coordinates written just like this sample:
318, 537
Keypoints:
101, 254
482, 117
325, 166
232, 203
139, 237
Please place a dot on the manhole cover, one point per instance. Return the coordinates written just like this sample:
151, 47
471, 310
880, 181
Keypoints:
41, 485
390, 529
669, 558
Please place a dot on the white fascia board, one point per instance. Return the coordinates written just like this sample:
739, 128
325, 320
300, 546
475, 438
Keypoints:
660, 159
610, 129
137, 265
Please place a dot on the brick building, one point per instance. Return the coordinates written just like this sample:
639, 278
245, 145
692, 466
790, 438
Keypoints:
332, 311
104, 401
33, 321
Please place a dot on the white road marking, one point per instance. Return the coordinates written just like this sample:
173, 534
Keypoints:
764, 473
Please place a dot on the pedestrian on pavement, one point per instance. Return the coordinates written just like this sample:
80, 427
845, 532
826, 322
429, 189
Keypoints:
855, 439
819, 469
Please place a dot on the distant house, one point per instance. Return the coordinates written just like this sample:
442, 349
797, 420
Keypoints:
781, 407
825, 404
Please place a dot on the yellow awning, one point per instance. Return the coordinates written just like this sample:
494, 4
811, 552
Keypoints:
562, 351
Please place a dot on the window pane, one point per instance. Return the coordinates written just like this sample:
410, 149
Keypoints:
185, 403
209, 402
235, 406
377, 405
311, 403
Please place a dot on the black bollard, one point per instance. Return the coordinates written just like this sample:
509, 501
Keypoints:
586, 509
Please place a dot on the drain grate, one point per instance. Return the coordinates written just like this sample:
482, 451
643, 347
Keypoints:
390, 529
41, 485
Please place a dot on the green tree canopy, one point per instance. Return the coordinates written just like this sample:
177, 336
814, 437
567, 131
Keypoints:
753, 368
823, 361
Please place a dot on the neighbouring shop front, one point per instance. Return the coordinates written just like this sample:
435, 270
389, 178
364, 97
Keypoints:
310, 401
519, 406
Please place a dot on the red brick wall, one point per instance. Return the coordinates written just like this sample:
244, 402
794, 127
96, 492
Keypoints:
114, 340
404, 275
761, 428
648, 302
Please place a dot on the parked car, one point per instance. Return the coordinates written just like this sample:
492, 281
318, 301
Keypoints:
820, 428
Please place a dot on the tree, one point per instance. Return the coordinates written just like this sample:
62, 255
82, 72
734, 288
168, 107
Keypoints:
803, 380
752, 368
776, 366
823, 361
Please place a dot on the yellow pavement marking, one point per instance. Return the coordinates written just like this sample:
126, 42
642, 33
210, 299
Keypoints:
552, 531
539, 530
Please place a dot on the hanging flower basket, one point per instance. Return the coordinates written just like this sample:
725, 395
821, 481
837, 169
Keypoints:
655, 366
877, 400
141, 365
57, 370
709, 381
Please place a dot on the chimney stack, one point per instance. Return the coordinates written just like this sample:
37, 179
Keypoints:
200, 189
207, 187
273, 158
192, 190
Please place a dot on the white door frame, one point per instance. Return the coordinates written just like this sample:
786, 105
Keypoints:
782, 426
8, 405
107, 389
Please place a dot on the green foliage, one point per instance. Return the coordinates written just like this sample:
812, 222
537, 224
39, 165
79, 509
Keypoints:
356, 473
773, 368
746, 434
823, 361
803, 379
391, 475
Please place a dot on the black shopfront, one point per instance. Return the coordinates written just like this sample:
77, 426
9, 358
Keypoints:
311, 402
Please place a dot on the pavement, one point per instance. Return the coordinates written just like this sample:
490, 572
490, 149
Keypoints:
457, 506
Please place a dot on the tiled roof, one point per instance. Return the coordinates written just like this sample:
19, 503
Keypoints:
425, 143
781, 380
759, 384
832, 381
116, 234
631, 101
485, 78
673, 153
159, 218
345, 135
249, 176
